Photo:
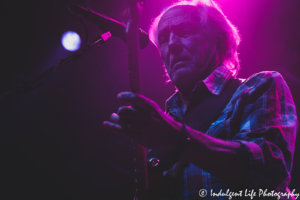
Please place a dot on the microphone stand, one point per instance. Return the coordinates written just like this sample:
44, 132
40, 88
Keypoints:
41, 79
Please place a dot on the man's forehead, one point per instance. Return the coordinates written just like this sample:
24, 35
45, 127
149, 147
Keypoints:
179, 14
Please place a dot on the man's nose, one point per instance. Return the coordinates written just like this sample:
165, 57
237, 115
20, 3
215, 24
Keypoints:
175, 45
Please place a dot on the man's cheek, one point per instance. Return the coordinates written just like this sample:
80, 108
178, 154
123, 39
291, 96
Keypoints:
165, 58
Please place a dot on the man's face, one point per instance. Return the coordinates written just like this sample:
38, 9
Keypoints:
188, 52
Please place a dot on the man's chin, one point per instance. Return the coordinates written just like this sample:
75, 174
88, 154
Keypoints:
184, 80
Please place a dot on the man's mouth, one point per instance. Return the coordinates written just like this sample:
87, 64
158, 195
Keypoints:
179, 64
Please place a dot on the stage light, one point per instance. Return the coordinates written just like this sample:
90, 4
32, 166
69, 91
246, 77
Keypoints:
71, 41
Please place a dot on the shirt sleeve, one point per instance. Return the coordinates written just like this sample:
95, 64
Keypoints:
266, 125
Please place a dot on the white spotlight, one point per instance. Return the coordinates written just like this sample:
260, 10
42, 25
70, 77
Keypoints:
71, 41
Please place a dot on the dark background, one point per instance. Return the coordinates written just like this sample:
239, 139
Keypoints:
53, 145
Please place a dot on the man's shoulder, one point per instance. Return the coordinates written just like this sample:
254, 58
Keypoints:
264, 76
262, 82
264, 79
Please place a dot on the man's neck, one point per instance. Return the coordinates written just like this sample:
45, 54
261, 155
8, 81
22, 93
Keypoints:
185, 92
185, 99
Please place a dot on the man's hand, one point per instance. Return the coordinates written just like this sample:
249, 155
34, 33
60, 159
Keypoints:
154, 129
145, 122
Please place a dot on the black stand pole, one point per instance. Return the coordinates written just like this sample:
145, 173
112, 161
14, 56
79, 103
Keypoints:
41, 79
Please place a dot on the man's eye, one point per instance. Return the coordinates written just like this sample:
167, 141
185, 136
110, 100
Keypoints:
163, 39
184, 32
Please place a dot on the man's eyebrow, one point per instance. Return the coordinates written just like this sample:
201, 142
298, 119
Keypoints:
180, 24
163, 30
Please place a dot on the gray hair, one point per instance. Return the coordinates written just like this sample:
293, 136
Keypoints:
226, 34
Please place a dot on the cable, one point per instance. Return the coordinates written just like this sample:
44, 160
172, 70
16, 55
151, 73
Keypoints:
86, 31
76, 56
40, 80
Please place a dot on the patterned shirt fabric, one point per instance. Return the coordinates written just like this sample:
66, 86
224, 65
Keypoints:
261, 115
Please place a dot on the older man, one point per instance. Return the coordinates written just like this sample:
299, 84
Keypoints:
251, 142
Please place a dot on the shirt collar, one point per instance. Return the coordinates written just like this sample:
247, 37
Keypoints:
215, 83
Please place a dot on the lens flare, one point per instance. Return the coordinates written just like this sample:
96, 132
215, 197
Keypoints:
71, 41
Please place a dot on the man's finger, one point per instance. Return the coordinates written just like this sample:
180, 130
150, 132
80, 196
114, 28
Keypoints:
116, 128
136, 100
128, 113
113, 127
115, 118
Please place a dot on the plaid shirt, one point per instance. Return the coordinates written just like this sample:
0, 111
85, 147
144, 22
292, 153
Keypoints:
262, 116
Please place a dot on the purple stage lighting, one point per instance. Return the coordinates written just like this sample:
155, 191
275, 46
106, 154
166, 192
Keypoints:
71, 41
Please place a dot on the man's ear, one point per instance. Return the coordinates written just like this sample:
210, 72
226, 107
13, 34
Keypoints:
221, 49
168, 80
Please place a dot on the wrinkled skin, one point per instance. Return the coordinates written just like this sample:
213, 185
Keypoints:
187, 48
188, 53
145, 122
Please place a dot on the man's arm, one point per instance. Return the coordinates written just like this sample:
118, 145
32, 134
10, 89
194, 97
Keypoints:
221, 158
263, 127
267, 125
